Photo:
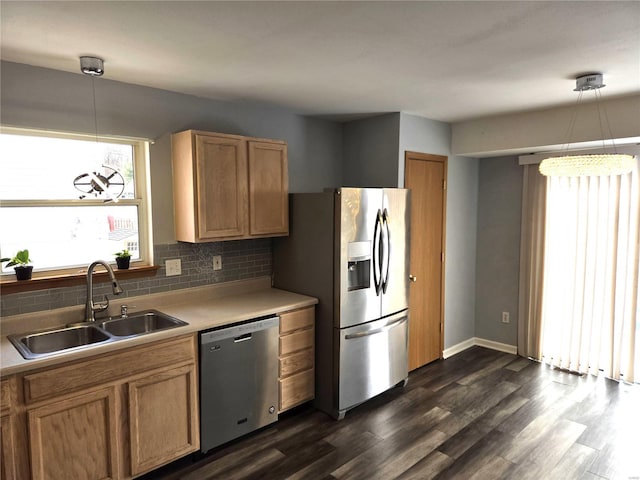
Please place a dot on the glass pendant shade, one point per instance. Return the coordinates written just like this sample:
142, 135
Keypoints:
587, 165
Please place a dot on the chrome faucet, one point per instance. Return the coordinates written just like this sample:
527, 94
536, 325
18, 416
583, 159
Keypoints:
93, 307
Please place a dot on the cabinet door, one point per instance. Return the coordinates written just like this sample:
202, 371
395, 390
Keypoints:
163, 418
268, 189
7, 449
221, 184
75, 438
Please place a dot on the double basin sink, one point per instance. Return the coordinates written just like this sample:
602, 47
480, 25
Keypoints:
80, 336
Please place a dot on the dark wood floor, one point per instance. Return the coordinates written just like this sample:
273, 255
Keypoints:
480, 414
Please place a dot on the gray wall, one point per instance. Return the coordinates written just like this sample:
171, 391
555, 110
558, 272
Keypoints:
460, 268
429, 136
321, 154
370, 151
423, 135
48, 99
371, 161
498, 248
40, 98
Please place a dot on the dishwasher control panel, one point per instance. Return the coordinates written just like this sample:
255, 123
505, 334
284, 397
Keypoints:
238, 330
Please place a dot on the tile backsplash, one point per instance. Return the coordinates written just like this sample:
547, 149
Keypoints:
241, 259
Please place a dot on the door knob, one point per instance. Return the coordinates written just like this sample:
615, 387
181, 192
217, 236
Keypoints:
412, 278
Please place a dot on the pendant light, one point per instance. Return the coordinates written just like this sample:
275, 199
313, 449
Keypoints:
110, 181
599, 164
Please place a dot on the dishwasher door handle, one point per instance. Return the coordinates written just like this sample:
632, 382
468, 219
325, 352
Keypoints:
242, 338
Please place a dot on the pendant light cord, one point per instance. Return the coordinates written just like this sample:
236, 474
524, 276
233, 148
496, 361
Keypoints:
95, 111
572, 122
602, 112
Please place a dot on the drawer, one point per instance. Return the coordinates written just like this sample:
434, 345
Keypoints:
297, 320
296, 389
7, 397
108, 367
296, 362
296, 341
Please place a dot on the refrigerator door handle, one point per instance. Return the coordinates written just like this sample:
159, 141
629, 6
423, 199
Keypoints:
377, 330
377, 253
386, 251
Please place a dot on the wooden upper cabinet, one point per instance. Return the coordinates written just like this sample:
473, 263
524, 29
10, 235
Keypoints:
228, 187
221, 187
268, 188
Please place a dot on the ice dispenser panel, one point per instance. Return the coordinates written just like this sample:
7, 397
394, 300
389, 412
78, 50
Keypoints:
358, 265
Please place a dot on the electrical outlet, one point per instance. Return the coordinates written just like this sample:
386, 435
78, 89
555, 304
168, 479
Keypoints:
173, 267
217, 262
505, 317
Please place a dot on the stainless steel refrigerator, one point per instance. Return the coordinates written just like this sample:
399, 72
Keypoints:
350, 248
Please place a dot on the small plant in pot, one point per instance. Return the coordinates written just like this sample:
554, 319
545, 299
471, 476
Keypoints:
123, 258
20, 264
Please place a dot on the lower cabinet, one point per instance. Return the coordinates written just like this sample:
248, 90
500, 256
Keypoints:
162, 418
297, 358
123, 414
115, 416
8, 440
7, 446
75, 438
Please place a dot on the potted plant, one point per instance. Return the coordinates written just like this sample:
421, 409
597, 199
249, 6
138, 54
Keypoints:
122, 259
20, 264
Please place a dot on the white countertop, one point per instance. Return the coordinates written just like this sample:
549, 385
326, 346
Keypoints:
202, 308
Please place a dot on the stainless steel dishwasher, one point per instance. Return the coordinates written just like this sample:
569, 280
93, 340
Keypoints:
238, 380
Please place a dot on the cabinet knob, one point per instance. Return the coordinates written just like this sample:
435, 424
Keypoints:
412, 278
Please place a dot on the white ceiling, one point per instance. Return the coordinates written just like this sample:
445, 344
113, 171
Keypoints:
444, 60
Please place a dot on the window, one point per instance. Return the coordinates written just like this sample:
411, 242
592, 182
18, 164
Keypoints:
72, 199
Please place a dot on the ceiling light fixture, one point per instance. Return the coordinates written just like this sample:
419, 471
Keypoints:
109, 181
92, 66
598, 164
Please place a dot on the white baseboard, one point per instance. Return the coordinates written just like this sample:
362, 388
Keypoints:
460, 347
481, 342
501, 347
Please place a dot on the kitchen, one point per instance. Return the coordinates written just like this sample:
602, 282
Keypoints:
322, 153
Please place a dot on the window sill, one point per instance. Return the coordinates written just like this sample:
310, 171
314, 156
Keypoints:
42, 282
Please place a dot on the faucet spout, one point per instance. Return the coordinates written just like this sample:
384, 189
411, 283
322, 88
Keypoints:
92, 307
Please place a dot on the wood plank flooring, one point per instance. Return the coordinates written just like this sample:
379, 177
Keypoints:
481, 414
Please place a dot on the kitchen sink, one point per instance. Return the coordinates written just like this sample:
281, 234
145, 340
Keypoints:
35, 345
84, 335
140, 324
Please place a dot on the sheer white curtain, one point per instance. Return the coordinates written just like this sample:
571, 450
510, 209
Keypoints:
590, 291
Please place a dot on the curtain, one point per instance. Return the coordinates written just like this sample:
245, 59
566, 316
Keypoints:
532, 247
589, 302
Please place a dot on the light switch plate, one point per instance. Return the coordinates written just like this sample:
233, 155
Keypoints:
173, 267
217, 262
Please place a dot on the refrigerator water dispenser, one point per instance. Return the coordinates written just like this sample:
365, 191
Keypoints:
358, 265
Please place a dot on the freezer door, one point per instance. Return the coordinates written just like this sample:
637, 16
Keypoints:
373, 358
396, 213
358, 211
